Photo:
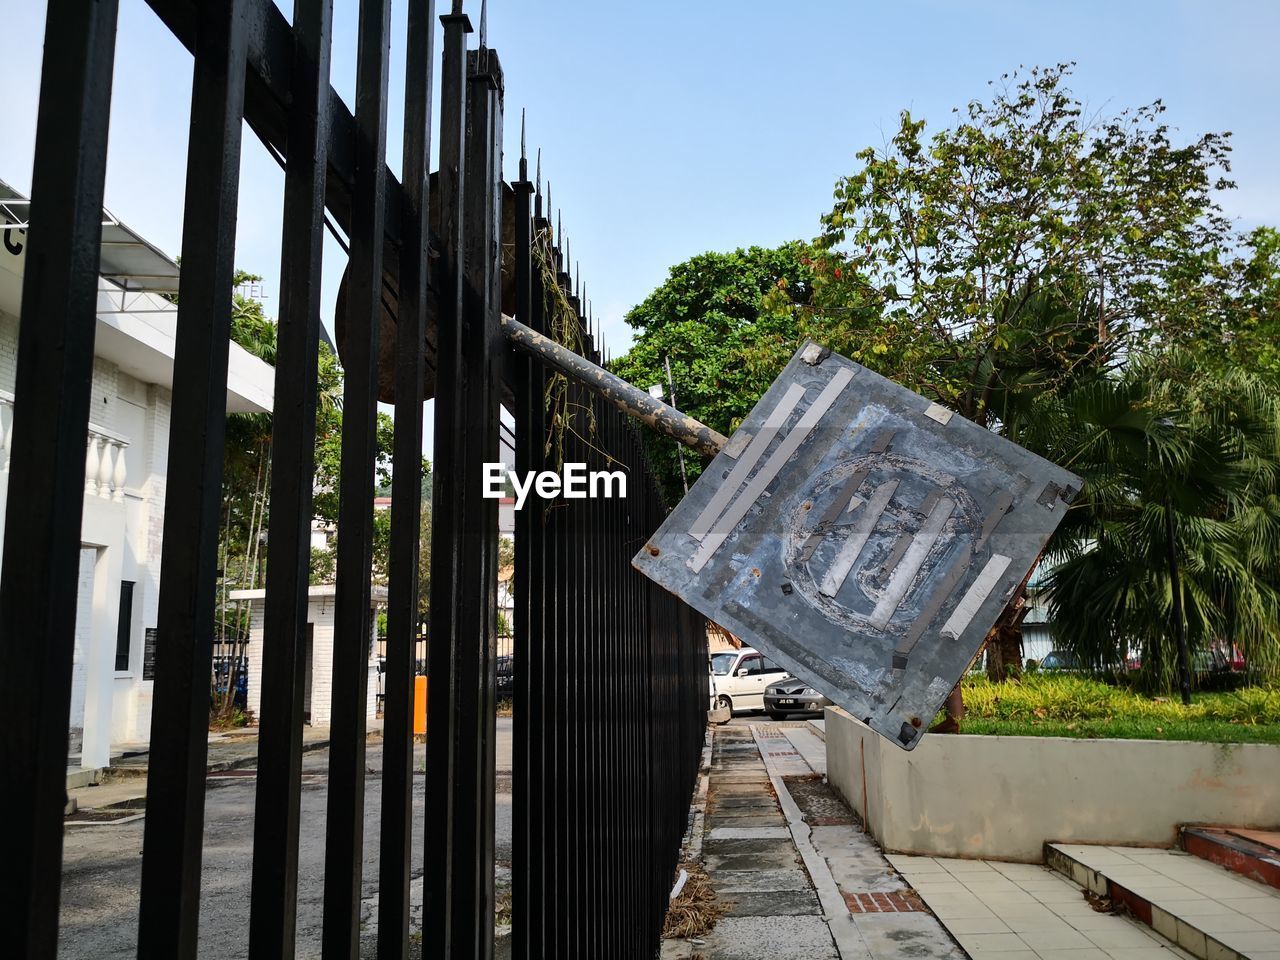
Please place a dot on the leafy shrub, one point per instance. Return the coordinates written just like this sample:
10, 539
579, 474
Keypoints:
1046, 698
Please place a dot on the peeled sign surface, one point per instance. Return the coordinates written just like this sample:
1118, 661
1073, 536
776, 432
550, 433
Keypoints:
861, 536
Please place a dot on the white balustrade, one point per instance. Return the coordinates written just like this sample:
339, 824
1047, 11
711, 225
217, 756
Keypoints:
105, 471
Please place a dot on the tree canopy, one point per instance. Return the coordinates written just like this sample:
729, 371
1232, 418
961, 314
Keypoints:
706, 319
1068, 279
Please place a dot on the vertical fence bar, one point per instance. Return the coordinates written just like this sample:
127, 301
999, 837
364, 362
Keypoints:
273, 902
473, 801
526, 748
406, 493
174, 830
46, 479
447, 506
344, 824
543, 835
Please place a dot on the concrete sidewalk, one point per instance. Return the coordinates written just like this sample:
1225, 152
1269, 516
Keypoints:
788, 860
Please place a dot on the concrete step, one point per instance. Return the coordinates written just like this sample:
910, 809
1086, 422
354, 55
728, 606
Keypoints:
1206, 910
83, 776
1254, 854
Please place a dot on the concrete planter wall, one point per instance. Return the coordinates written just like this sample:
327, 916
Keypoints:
1004, 797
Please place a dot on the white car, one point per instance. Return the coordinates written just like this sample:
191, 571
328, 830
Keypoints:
741, 676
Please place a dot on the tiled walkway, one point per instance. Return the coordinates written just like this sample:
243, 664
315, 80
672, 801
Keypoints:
1016, 911
1212, 912
800, 879
788, 860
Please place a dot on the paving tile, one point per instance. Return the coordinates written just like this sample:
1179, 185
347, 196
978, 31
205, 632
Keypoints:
992, 924
1230, 923
1257, 907
1037, 924
1005, 897
749, 833
1203, 907
1248, 942
904, 862
957, 867
759, 881
773, 819
1068, 939
1079, 953
1121, 933
1003, 955
959, 911
974, 943
989, 883
740, 846
1095, 921
1026, 911
926, 887
893, 936
773, 903
1153, 952
768, 938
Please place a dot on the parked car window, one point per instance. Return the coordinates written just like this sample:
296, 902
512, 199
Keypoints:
771, 667
753, 665
722, 663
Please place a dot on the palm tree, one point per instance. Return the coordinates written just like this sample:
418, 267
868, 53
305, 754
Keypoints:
1173, 543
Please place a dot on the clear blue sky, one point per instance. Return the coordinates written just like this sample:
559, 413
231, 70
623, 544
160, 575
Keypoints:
668, 129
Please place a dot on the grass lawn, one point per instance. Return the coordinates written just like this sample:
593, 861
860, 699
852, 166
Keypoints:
1070, 706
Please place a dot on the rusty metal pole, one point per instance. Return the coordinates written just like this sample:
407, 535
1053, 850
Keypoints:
631, 400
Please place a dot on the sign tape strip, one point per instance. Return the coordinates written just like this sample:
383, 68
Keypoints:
764, 476
862, 528
777, 417
911, 563
978, 592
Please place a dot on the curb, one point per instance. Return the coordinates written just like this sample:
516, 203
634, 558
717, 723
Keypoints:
137, 772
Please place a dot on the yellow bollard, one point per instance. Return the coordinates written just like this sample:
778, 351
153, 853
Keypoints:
420, 705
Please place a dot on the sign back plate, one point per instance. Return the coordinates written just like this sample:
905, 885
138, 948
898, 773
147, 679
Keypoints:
861, 536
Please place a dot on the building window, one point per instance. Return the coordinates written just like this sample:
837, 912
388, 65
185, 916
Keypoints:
124, 626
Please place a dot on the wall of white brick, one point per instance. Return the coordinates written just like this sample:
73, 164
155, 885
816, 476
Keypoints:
79, 662
141, 413
8, 350
320, 615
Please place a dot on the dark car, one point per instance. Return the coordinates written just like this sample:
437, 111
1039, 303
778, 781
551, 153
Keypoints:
505, 668
223, 668
1060, 661
786, 698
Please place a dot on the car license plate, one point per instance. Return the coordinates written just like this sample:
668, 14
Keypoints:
786, 701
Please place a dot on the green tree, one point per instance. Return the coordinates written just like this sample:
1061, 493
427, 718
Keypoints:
954, 235
1023, 252
706, 319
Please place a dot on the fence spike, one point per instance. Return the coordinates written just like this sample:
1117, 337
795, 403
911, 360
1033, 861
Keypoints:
484, 23
524, 159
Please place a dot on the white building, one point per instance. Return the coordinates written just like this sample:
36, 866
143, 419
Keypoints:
125, 469
317, 684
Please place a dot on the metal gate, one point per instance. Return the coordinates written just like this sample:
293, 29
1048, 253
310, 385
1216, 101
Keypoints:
610, 670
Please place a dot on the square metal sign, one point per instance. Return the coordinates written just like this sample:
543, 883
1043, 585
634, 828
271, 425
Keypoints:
861, 536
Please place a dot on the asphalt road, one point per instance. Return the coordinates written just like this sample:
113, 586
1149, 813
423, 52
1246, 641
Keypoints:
102, 864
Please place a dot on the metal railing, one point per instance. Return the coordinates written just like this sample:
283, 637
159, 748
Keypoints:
610, 681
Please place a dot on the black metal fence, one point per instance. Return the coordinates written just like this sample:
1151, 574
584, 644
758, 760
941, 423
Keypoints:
610, 676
